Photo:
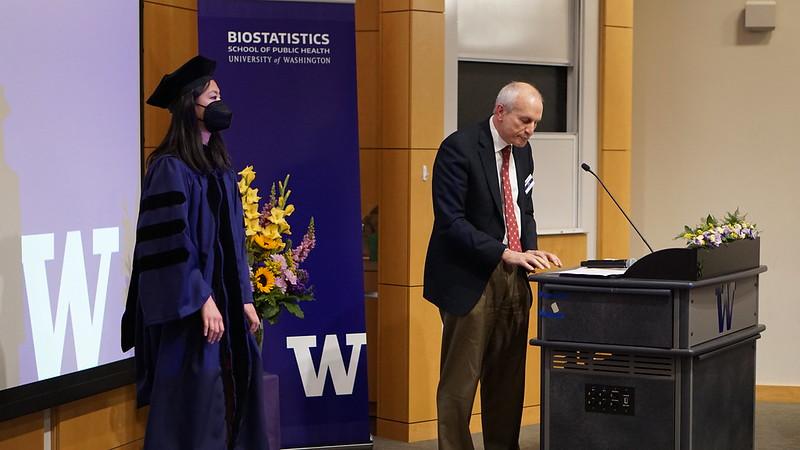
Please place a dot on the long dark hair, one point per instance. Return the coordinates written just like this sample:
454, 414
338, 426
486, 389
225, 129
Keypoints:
183, 137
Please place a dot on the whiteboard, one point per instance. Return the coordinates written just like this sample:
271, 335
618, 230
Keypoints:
556, 183
524, 31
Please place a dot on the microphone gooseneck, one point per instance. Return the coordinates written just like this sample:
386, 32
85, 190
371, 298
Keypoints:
587, 168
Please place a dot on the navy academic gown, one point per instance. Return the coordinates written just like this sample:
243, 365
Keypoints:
189, 246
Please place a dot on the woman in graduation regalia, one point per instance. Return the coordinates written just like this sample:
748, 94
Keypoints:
189, 311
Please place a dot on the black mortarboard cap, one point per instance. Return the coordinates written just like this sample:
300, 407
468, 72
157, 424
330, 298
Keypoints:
182, 80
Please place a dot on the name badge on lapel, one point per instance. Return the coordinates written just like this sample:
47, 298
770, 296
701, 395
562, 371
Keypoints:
529, 184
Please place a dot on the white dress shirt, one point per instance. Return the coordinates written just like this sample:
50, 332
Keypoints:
499, 145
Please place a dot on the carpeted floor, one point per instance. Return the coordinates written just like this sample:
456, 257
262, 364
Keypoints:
777, 428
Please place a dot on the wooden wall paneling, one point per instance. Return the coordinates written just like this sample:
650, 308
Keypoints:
101, 422
395, 79
426, 107
135, 445
411, 113
531, 415
617, 88
146, 153
26, 432
422, 431
368, 84
616, 92
371, 319
367, 15
390, 429
570, 248
618, 13
420, 212
393, 225
185, 4
412, 5
424, 350
778, 394
393, 353
170, 38
369, 167
614, 230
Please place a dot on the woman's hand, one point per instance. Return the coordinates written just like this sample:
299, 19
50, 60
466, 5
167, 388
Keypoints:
213, 327
252, 317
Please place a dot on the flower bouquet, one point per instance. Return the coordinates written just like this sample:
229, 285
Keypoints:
279, 283
711, 233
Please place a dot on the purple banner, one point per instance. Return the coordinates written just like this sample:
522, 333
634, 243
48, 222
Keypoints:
287, 70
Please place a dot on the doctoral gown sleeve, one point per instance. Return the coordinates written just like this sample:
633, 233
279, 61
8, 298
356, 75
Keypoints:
237, 225
171, 284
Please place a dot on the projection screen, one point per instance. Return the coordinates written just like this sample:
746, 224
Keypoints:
70, 158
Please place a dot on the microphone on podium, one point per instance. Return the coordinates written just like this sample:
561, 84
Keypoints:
586, 167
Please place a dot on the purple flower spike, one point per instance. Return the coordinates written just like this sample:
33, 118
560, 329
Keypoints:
308, 243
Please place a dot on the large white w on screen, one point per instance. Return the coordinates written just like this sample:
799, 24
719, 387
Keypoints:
73, 297
314, 381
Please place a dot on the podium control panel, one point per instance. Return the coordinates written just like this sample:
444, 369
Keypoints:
610, 399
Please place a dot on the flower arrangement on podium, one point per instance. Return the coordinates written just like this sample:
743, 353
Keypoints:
712, 233
279, 283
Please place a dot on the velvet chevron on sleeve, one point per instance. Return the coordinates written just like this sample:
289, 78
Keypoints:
171, 284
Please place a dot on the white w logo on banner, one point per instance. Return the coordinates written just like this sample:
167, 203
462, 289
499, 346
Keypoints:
314, 381
73, 298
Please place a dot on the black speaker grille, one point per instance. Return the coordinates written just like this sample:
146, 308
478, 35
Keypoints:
617, 363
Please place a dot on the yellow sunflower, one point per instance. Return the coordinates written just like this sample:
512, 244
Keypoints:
265, 280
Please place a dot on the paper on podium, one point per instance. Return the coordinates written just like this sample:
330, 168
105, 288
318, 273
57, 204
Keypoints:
593, 272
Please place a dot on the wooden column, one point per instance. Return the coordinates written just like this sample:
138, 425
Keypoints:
170, 39
616, 91
368, 85
412, 123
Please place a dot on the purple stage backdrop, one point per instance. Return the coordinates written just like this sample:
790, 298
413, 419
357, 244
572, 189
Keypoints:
69, 183
287, 70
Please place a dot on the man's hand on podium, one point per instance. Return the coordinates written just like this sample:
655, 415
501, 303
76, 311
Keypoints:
531, 259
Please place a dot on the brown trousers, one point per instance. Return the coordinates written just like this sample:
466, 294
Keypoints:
488, 345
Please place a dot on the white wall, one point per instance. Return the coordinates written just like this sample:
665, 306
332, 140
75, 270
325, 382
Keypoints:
716, 125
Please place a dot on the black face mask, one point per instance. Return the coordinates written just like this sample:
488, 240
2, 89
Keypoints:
217, 116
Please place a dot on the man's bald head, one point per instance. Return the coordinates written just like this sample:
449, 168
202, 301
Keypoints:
517, 110
516, 91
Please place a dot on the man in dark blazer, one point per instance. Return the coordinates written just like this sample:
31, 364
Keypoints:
482, 246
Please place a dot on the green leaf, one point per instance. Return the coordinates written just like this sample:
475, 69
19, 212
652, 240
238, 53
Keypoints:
259, 336
270, 313
294, 309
